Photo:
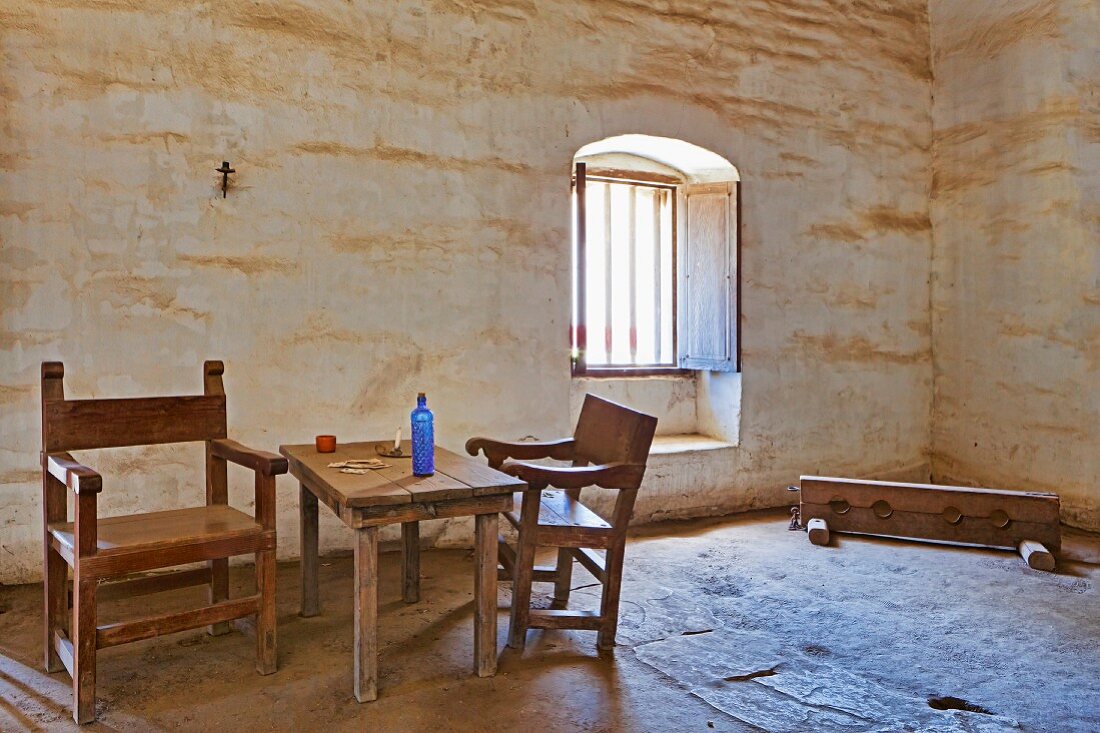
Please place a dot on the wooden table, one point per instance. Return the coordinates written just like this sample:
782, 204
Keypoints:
460, 487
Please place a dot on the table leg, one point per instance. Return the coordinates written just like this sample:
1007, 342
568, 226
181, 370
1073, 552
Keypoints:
307, 518
366, 614
485, 595
410, 561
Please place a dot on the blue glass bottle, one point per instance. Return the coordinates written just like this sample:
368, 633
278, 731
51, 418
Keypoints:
423, 438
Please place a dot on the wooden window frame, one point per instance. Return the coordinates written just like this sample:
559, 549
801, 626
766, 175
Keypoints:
740, 213
578, 330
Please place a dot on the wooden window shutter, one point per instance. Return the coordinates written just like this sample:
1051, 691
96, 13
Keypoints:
707, 279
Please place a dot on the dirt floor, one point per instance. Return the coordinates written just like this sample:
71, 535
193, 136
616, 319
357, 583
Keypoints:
728, 625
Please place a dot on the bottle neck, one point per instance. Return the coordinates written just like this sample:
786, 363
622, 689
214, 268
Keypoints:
421, 401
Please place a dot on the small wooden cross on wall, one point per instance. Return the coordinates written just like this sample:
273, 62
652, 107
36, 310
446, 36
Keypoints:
225, 170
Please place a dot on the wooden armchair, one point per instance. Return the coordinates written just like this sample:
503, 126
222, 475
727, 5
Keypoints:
109, 547
608, 449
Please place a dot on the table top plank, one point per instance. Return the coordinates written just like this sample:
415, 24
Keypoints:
436, 487
475, 474
456, 477
334, 498
350, 490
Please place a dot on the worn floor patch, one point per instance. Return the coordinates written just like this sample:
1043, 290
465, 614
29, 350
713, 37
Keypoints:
761, 681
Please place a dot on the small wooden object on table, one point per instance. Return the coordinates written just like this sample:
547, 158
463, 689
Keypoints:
460, 487
1026, 522
101, 548
389, 451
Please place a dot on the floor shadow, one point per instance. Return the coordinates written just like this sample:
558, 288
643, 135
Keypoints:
50, 695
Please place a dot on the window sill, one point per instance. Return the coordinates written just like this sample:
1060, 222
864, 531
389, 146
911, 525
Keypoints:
664, 445
634, 373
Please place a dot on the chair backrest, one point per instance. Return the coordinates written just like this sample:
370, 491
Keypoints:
608, 432
69, 425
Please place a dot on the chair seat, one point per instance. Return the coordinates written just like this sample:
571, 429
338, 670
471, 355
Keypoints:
139, 533
557, 509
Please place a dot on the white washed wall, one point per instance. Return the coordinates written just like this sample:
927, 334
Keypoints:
400, 222
1017, 247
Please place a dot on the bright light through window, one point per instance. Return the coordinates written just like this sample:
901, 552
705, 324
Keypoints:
628, 275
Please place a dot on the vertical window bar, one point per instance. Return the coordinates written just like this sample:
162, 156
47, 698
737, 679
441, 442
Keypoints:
669, 230
608, 294
595, 311
632, 259
658, 340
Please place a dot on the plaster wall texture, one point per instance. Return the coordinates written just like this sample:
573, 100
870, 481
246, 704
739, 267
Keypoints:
400, 221
1016, 217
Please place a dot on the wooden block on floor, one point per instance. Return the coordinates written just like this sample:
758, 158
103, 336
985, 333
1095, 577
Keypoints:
818, 531
1036, 556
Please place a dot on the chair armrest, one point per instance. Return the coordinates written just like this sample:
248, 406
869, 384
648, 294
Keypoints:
607, 475
269, 464
78, 477
498, 450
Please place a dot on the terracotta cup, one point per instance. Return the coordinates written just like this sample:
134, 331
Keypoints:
326, 443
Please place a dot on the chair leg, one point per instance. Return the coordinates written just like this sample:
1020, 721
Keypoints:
410, 562
55, 587
83, 639
504, 572
521, 591
218, 591
565, 577
609, 601
265, 619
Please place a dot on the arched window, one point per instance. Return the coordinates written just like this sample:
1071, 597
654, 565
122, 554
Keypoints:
655, 243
